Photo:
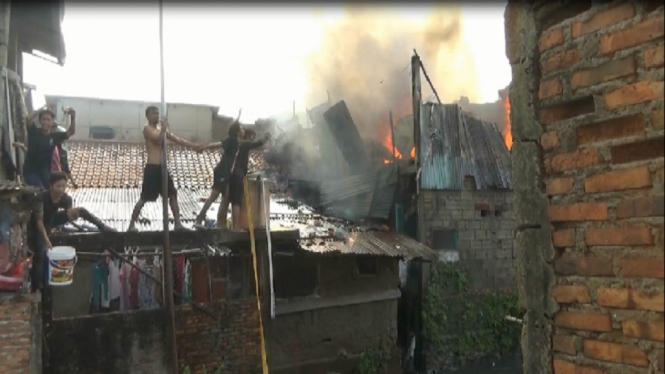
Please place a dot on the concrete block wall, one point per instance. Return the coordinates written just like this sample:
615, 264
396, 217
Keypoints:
587, 118
485, 227
20, 333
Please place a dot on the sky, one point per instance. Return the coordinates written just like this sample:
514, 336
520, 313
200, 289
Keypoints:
251, 58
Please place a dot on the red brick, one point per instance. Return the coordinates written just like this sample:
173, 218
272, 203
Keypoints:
566, 294
660, 174
568, 344
549, 140
647, 30
578, 212
661, 360
636, 93
579, 159
599, 322
618, 180
653, 57
657, 119
638, 151
560, 61
652, 206
567, 110
559, 186
566, 367
584, 266
549, 88
564, 238
614, 128
625, 298
612, 352
619, 236
645, 267
604, 73
550, 39
653, 330
603, 19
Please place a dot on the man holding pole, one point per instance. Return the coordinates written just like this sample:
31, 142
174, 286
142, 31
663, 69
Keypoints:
153, 133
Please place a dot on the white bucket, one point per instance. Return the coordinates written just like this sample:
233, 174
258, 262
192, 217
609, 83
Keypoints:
61, 266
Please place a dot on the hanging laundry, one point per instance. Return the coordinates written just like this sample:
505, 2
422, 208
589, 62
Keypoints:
134, 288
125, 289
159, 291
187, 276
178, 268
100, 288
115, 287
146, 287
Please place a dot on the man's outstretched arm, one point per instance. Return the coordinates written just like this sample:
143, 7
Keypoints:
179, 140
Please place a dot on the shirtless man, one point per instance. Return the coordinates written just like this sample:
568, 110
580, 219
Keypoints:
153, 133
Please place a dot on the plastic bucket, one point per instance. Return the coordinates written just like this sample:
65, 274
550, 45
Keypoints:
61, 261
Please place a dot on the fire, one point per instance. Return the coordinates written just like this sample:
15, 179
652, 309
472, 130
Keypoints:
507, 135
413, 152
388, 143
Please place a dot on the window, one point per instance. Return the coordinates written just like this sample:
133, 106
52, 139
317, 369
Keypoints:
295, 277
445, 239
366, 266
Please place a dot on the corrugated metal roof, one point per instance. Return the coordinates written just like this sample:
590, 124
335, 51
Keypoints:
461, 145
384, 194
111, 164
373, 243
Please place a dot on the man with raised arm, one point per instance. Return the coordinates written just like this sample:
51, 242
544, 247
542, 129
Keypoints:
153, 133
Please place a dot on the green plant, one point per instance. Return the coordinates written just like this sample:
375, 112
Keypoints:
374, 361
187, 370
459, 326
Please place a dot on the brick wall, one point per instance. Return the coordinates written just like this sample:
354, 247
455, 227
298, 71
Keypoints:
232, 342
485, 227
20, 334
587, 119
135, 342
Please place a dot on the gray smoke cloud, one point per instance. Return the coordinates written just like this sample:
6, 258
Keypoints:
365, 60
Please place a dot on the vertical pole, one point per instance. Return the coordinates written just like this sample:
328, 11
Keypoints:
168, 261
392, 138
5, 11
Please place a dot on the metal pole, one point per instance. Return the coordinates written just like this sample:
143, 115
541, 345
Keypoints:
392, 138
5, 12
168, 261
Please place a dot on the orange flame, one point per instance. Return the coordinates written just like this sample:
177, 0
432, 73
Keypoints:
413, 152
388, 143
507, 134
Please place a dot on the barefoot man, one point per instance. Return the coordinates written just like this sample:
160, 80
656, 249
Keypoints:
153, 133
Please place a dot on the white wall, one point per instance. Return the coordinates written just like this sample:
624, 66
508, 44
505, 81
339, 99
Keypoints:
127, 118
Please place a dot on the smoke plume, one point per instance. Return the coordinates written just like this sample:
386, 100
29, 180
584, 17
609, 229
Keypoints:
365, 60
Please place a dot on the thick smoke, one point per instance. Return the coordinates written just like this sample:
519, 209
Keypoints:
365, 60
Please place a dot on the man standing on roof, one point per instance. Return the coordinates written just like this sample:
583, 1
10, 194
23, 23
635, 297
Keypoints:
229, 173
153, 133
39, 150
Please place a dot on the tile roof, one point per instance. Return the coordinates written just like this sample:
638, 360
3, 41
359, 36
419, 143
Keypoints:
461, 145
112, 164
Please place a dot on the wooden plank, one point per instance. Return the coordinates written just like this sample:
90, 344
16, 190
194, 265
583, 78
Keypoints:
348, 138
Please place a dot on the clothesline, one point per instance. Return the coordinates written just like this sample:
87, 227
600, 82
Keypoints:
142, 254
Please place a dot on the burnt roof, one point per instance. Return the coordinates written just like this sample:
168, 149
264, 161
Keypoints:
454, 144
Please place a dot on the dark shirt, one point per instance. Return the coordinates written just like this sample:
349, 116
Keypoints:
49, 207
40, 150
242, 164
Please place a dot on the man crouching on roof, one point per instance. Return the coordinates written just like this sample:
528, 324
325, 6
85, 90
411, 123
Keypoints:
153, 133
55, 209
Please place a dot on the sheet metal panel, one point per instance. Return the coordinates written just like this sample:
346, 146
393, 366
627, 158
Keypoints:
454, 144
373, 243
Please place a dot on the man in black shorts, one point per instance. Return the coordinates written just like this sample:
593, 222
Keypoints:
153, 133
229, 173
